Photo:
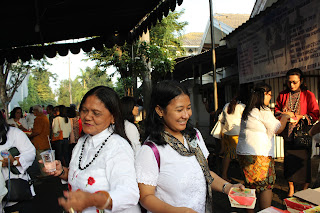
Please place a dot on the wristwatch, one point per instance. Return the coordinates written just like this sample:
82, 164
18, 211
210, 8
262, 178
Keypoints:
15, 162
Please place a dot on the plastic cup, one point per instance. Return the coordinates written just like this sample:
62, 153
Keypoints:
48, 160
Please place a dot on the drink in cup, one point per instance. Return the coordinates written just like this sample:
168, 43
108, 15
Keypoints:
48, 160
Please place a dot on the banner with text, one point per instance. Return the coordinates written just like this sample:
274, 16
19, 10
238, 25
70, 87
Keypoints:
286, 37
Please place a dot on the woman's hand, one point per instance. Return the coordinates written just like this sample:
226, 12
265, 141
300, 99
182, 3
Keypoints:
5, 161
58, 171
238, 185
77, 200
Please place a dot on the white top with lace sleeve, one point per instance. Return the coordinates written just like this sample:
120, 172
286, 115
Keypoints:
180, 181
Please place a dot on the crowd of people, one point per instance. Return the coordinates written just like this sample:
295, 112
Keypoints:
108, 165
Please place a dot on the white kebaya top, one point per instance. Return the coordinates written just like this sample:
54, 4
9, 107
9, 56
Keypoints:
256, 133
17, 138
22, 121
180, 182
232, 121
112, 171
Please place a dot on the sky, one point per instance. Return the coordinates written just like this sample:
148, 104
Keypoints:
196, 14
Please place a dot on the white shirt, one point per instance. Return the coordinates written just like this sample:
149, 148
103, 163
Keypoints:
17, 138
180, 182
256, 133
23, 122
30, 120
113, 171
133, 135
65, 127
232, 121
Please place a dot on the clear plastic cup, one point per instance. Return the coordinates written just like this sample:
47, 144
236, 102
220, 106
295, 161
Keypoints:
48, 160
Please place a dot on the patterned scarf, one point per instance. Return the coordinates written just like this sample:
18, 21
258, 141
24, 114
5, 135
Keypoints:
194, 149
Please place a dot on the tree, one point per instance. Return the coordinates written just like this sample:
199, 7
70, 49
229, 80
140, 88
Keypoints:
89, 78
12, 75
39, 91
145, 60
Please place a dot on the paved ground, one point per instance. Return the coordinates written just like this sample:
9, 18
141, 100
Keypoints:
49, 189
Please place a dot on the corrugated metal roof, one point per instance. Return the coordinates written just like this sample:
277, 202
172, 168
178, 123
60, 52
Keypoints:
233, 20
191, 39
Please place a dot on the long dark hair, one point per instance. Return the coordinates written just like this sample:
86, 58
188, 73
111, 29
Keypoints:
112, 102
298, 72
127, 105
161, 95
240, 97
13, 112
256, 99
4, 128
63, 113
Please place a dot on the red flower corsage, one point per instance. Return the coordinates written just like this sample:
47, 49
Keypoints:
91, 181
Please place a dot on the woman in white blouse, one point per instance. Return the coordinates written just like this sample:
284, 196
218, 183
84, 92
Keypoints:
231, 118
101, 174
62, 123
129, 110
17, 120
13, 137
255, 148
181, 180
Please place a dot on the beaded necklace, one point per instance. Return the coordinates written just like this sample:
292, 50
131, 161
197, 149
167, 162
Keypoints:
95, 156
294, 109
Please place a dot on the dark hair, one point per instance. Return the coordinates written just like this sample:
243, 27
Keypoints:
161, 96
13, 112
112, 102
241, 97
4, 128
127, 105
256, 99
71, 112
63, 113
31, 110
50, 107
298, 72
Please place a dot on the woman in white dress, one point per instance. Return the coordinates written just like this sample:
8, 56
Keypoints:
101, 174
180, 181
129, 110
16, 119
13, 137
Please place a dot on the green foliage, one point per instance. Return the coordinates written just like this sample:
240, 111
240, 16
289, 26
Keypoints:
39, 91
133, 60
89, 78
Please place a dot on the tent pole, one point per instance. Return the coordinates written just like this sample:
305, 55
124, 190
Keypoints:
215, 89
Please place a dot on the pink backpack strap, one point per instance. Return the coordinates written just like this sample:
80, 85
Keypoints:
155, 151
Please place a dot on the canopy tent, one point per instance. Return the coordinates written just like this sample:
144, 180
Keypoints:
28, 27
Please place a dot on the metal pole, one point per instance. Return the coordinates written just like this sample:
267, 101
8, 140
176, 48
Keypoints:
215, 88
70, 83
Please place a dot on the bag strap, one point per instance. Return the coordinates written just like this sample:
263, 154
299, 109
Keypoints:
155, 151
59, 123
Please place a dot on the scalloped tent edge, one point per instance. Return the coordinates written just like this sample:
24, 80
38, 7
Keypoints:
109, 39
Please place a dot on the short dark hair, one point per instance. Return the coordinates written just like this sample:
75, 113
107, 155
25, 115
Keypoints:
13, 112
111, 101
127, 105
50, 107
161, 95
256, 99
298, 72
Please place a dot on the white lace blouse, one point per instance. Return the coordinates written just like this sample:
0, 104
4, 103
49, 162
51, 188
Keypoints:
180, 182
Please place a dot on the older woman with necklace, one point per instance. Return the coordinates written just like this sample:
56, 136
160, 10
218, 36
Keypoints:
101, 174
297, 99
